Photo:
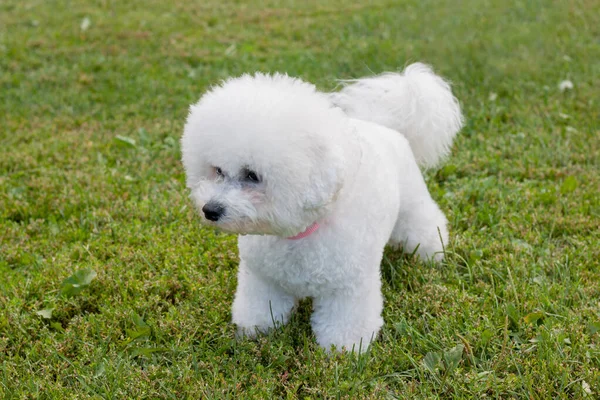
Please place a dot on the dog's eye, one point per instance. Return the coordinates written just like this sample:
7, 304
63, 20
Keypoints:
218, 171
251, 176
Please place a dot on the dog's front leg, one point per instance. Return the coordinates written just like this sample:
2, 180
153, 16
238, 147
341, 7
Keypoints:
259, 305
349, 319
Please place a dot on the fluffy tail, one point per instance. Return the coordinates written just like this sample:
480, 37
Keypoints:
417, 103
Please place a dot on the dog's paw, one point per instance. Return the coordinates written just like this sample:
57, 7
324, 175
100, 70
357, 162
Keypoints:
247, 333
435, 254
253, 332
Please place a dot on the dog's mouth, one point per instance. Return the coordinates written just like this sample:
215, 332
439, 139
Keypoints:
241, 226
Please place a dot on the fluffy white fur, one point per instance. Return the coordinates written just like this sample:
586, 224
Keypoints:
348, 161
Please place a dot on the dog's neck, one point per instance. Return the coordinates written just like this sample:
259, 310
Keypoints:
307, 232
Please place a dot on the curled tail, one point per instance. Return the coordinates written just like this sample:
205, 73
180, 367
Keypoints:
417, 103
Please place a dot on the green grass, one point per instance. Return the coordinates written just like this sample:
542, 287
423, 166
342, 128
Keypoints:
90, 179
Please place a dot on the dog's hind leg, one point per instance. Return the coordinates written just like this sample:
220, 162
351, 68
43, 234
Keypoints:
421, 225
259, 305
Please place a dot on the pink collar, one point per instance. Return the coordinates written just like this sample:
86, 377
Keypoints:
310, 230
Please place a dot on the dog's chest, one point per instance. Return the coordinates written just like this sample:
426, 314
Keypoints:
303, 268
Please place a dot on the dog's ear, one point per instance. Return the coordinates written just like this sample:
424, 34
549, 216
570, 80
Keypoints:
326, 177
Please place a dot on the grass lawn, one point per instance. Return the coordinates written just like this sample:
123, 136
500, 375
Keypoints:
93, 97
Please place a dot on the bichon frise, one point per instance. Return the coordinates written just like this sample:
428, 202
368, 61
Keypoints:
316, 185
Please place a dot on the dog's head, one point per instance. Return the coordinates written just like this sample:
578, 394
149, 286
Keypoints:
263, 155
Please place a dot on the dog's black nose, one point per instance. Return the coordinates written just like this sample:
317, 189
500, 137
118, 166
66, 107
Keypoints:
213, 211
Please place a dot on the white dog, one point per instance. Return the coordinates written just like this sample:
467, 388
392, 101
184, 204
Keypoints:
316, 185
